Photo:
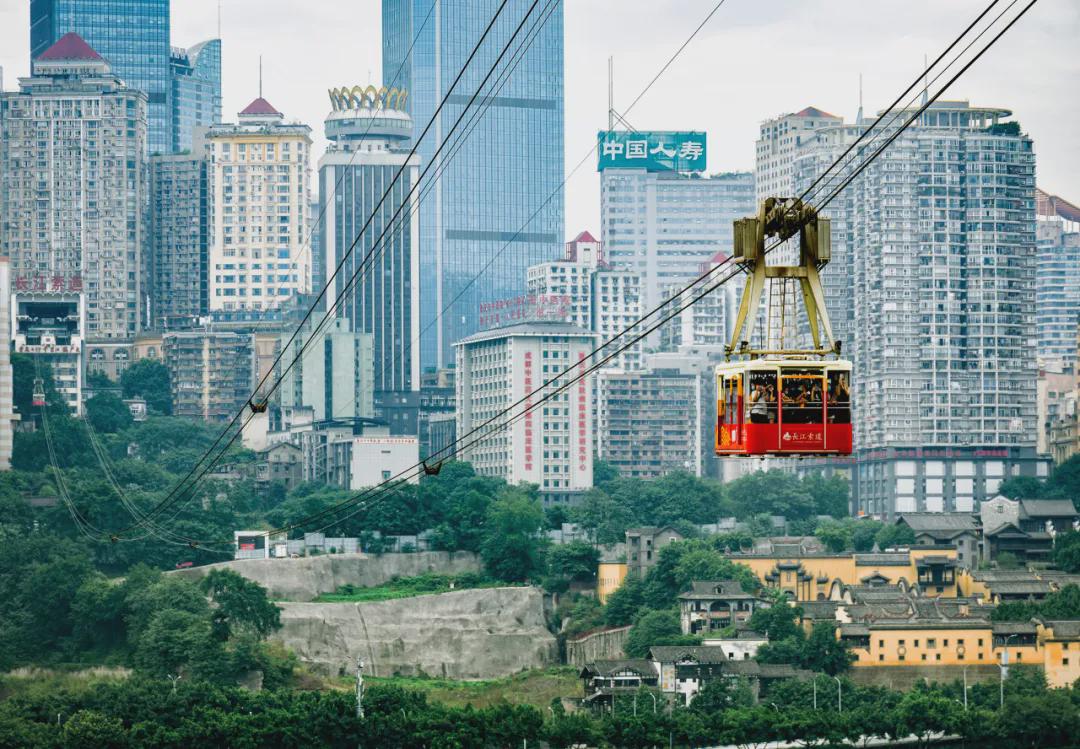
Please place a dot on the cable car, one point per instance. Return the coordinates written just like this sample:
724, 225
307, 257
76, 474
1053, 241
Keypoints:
38, 396
783, 401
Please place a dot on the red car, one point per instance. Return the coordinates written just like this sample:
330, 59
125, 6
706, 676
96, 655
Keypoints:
184, 565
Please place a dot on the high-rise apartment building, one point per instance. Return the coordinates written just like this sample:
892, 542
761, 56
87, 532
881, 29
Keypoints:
335, 375
377, 290
704, 324
195, 78
1057, 280
503, 188
649, 424
550, 446
662, 218
597, 297
780, 139
7, 405
260, 188
132, 35
211, 372
72, 165
940, 250
179, 239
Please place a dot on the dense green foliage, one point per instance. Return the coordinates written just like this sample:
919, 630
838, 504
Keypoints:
1067, 551
407, 587
150, 380
1063, 483
1062, 604
148, 712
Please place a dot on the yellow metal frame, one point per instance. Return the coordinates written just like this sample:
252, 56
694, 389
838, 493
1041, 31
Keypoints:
783, 218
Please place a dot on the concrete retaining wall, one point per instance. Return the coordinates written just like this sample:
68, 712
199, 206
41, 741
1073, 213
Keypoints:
304, 578
468, 634
906, 677
598, 646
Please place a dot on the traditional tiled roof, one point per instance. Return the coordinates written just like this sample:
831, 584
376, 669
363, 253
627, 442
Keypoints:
814, 112
1063, 627
1049, 508
945, 525
70, 46
607, 668
882, 560
696, 653
1014, 628
585, 236
711, 589
260, 106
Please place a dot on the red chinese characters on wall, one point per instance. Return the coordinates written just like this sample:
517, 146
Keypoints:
582, 403
528, 411
55, 284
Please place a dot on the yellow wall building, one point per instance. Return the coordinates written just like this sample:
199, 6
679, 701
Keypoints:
822, 577
609, 576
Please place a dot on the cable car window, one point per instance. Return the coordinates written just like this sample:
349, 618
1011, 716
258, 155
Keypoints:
731, 388
839, 398
802, 397
762, 397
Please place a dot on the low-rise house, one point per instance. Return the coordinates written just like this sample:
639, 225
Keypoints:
685, 669
1025, 528
712, 605
604, 681
282, 463
742, 647
960, 529
995, 586
643, 547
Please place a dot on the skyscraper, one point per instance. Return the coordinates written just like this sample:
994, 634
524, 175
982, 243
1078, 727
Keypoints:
660, 217
780, 139
72, 145
368, 145
260, 187
939, 242
1057, 280
195, 77
132, 35
503, 186
179, 238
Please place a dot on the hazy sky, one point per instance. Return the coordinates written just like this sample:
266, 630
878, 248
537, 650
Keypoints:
753, 61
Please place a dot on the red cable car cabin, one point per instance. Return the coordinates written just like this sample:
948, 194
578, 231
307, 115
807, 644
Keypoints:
783, 407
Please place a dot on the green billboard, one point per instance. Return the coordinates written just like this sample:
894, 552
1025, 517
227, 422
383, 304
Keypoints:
654, 151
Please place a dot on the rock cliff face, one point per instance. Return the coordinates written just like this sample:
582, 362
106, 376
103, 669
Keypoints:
468, 634
305, 578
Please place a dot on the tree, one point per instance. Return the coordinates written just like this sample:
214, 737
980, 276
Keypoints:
822, 651
624, 604
90, 729
723, 694
837, 536
512, 550
148, 379
895, 535
1021, 487
108, 413
923, 713
656, 628
604, 519
240, 605
1067, 551
779, 621
864, 534
705, 563
575, 561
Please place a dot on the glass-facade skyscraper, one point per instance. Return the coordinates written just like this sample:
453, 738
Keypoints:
195, 76
510, 168
132, 36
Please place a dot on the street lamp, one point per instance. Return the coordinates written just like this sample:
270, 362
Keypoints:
965, 687
1004, 666
653, 702
815, 691
839, 694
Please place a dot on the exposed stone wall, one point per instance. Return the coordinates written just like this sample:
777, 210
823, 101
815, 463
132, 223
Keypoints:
468, 634
304, 578
598, 646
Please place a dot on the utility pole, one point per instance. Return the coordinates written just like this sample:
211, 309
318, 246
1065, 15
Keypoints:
360, 688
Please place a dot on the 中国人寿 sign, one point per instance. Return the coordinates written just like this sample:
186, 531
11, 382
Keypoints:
659, 151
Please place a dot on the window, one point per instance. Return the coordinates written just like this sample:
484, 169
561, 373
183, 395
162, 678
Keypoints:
931, 642
937, 656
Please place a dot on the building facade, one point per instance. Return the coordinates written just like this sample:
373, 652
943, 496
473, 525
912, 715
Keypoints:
132, 36
260, 188
195, 79
503, 188
780, 139
551, 445
704, 324
7, 403
334, 376
179, 239
940, 251
72, 156
211, 372
1057, 281
663, 224
49, 326
595, 295
377, 290
648, 424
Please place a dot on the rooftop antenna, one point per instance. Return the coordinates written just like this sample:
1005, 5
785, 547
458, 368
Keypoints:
859, 116
260, 76
219, 19
926, 72
611, 93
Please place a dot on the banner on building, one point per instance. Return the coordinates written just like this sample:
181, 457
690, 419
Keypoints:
659, 151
